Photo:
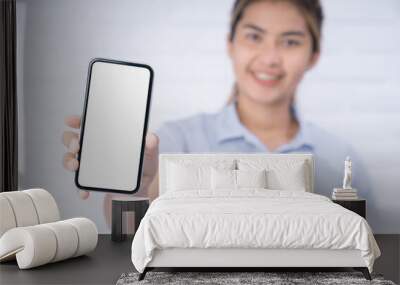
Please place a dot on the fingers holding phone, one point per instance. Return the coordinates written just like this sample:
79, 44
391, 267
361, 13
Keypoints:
111, 153
70, 140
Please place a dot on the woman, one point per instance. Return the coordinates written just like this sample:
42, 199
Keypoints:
272, 44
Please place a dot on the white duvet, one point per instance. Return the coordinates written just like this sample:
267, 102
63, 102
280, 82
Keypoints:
250, 218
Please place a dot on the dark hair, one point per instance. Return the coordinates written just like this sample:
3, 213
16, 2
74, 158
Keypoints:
311, 10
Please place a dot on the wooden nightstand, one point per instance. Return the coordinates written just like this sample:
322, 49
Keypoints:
358, 206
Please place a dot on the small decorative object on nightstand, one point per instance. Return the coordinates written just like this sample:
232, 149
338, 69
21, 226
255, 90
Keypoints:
346, 192
347, 196
358, 206
139, 205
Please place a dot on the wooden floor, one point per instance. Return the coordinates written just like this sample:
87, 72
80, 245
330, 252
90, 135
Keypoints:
389, 262
110, 260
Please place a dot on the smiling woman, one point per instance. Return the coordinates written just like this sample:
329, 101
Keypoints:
270, 55
271, 44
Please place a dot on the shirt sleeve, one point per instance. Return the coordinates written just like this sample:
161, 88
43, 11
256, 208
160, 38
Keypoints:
171, 138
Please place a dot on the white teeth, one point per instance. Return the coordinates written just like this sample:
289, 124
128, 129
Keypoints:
264, 76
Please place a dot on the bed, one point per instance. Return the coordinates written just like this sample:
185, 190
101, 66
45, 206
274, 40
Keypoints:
247, 211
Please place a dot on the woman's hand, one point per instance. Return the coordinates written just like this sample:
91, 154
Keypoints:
150, 162
71, 141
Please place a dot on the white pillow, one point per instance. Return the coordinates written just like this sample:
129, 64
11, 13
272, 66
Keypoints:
189, 175
226, 179
285, 174
251, 178
182, 177
223, 179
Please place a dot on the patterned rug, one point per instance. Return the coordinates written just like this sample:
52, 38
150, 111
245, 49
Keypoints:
269, 278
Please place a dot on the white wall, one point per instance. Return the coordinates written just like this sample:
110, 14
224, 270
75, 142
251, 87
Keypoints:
354, 91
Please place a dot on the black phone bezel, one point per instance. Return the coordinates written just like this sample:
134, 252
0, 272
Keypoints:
83, 121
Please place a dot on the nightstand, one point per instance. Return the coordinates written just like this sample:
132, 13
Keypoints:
358, 206
139, 205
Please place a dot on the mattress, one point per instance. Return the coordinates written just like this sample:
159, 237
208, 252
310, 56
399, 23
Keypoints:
250, 219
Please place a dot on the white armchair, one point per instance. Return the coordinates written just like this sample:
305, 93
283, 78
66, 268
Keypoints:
31, 231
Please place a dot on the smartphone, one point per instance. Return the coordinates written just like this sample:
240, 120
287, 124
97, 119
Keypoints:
114, 125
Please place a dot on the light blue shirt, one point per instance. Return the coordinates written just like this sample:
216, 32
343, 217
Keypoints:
222, 132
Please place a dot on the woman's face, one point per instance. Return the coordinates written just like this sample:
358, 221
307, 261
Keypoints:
271, 50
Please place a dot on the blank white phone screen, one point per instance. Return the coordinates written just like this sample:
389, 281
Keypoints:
111, 145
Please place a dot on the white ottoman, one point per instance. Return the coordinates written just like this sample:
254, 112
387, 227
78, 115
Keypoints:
31, 233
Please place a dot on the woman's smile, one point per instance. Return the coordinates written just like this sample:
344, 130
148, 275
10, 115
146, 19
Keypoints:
266, 79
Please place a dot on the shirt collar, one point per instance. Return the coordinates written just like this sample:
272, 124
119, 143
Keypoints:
303, 137
229, 127
228, 124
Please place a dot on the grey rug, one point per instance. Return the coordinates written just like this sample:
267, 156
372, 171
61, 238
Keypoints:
269, 278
